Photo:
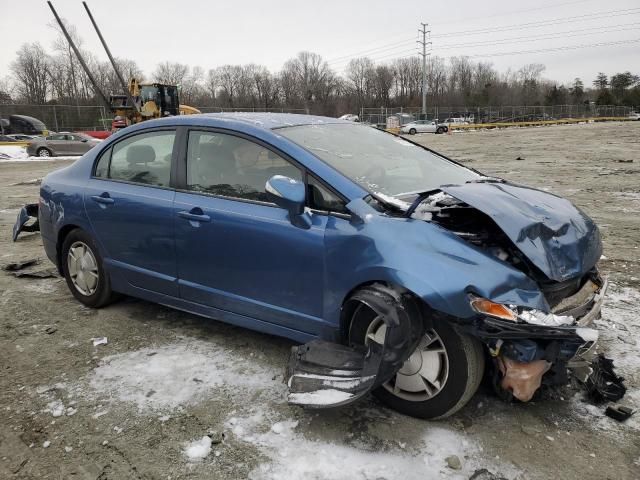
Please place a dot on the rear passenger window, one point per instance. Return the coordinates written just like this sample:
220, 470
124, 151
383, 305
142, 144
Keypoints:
144, 159
231, 166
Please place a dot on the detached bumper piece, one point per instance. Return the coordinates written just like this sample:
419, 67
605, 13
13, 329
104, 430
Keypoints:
27, 214
324, 375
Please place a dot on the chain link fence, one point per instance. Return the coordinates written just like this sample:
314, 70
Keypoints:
497, 114
60, 118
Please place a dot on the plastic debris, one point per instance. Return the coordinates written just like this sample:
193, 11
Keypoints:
619, 412
603, 384
99, 341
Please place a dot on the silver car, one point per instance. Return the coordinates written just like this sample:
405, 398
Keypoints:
61, 144
423, 126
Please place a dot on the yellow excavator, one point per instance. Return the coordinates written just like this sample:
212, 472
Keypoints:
140, 101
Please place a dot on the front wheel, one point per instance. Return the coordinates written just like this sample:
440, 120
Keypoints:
441, 130
83, 270
440, 376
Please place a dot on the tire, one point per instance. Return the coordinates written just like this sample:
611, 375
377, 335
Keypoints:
412, 131
43, 152
458, 377
441, 130
96, 285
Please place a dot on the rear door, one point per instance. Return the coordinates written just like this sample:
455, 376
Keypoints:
58, 143
235, 250
129, 203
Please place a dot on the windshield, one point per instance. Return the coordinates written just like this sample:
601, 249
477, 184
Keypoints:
381, 163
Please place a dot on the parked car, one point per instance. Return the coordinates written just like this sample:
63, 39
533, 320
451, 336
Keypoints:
27, 125
399, 267
21, 137
7, 138
424, 126
456, 121
352, 117
63, 143
634, 116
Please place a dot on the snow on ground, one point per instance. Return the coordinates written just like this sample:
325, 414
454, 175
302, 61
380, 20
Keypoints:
178, 374
18, 153
14, 152
198, 449
295, 456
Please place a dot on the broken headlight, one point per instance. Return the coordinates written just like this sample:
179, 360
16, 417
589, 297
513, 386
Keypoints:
493, 309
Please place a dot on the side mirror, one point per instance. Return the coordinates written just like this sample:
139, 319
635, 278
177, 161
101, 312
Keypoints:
289, 194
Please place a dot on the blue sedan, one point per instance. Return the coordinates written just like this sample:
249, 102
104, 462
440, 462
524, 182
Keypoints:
399, 271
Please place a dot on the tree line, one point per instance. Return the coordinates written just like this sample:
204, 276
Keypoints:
306, 82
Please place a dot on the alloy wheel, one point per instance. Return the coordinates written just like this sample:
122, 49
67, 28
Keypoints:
424, 374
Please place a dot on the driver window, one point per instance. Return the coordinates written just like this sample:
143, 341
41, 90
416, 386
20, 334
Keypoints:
231, 166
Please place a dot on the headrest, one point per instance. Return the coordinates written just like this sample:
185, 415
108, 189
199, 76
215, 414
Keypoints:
140, 154
209, 151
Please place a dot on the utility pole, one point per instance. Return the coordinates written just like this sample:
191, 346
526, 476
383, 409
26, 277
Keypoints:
424, 44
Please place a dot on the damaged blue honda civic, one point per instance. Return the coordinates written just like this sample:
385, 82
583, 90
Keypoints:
396, 270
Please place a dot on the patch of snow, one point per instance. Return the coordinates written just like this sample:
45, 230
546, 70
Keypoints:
14, 152
56, 408
319, 397
294, 456
587, 334
198, 449
46, 444
178, 374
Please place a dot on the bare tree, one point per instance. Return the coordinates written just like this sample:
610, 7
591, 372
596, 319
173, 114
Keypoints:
31, 72
171, 73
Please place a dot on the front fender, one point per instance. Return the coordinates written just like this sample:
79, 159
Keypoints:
431, 262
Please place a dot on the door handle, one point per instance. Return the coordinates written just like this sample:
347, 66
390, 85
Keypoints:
194, 217
105, 199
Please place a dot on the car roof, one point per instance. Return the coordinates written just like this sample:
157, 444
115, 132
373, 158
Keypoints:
263, 120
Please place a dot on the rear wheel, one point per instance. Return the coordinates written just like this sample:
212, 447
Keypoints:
441, 130
412, 131
440, 376
43, 152
83, 270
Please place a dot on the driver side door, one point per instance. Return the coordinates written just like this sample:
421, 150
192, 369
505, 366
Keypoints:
237, 251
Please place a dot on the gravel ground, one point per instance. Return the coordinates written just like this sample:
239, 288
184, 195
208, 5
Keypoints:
140, 405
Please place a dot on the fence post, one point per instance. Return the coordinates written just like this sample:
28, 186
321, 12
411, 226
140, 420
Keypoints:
55, 117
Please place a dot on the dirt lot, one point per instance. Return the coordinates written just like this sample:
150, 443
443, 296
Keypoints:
130, 408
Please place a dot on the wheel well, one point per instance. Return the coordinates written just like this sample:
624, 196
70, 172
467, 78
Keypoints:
62, 234
347, 308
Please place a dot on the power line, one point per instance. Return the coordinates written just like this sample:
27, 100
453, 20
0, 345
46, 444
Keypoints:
544, 23
556, 49
545, 36
537, 24
528, 25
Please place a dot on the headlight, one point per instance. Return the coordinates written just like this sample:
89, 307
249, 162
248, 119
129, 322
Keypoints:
493, 309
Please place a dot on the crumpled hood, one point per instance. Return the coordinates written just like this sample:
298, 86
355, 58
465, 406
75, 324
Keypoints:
555, 236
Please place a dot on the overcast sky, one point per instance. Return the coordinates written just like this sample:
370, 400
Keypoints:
213, 33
